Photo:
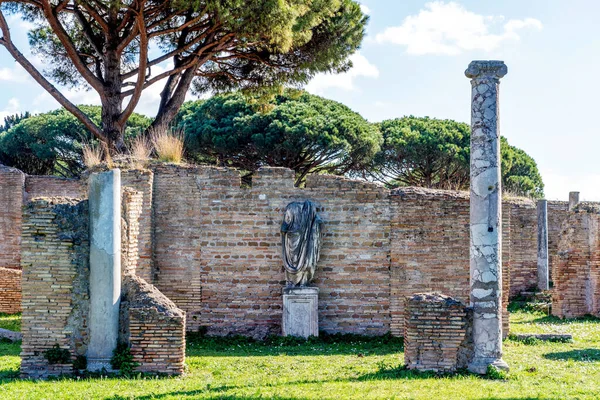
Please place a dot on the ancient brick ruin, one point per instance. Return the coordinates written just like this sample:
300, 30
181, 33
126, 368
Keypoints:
437, 333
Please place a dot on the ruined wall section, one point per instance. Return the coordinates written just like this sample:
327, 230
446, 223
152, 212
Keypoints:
577, 273
430, 249
53, 186
55, 263
177, 229
141, 180
10, 290
558, 212
523, 245
12, 182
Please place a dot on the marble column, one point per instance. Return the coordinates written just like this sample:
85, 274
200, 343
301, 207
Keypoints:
105, 267
542, 242
486, 216
573, 200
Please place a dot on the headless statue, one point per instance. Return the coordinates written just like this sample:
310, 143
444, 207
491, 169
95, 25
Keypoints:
301, 240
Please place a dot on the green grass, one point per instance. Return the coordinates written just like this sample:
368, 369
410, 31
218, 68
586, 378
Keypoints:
340, 368
10, 322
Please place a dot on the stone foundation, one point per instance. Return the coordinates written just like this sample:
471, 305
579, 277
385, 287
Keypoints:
437, 333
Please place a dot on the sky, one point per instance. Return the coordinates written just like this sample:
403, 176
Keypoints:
412, 62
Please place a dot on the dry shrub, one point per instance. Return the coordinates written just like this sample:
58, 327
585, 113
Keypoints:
140, 150
93, 155
168, 144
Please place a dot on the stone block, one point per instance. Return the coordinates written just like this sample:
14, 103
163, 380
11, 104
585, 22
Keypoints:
300, 311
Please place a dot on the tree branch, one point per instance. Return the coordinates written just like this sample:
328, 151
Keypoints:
67, 43
39, 78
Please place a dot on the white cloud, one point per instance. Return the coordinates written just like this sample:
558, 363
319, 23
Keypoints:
558, 186
450, 29
365, 9
15, 74
13, 107
361, 68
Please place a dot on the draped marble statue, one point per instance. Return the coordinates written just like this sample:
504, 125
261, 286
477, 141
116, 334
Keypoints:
301, 242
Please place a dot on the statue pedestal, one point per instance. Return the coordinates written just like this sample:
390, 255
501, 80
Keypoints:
300, 311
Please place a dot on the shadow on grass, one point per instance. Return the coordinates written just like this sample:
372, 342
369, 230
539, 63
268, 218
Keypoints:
586, 355
8, 348
551, 319
239, 346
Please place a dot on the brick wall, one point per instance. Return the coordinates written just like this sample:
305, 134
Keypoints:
430, 248
55, 253
12, 182
437, 333
10, 290
577, 272
155, 328
53, 186
132, 205
141, 180
523, 246
557, 213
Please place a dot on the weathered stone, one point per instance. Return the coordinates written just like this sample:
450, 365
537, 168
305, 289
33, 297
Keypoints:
10, 335
486, 216
300, 311
105, 267
542, 242
573, 200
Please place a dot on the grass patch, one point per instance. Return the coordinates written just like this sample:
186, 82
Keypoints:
342, 367
12, 322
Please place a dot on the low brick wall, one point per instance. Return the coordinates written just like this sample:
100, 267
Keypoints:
10, 290
155, 328
437, 333
576, 289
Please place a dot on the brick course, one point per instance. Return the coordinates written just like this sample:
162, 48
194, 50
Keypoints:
10, 290
437, 333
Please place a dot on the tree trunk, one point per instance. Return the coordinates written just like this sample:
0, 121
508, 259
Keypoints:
112, 104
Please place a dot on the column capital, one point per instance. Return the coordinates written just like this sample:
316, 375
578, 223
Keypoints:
481, 69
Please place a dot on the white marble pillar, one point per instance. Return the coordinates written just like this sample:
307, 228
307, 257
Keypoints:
542, 242
105, 267
486, 216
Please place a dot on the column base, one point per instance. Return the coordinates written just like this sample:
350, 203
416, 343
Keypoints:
99, 364
480, 365
300, 311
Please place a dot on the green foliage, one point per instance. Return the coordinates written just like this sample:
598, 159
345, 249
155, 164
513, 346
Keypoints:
496, 373
12, 120
296, 130
122, 360
56, 355
12, 322
435, 153
51, 143
80, 362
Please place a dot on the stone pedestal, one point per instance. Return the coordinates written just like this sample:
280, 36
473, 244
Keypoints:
105, 267
542, 262
300, 311
486, 215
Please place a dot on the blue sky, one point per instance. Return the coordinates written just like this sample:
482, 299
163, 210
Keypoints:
412, 63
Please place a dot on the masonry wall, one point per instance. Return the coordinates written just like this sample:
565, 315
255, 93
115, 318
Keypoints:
523, 246
10, 290
12, 182
52, 186
438, 332
557, 214
55, 262
577, 273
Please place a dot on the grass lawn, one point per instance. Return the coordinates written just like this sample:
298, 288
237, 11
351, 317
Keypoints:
361, 369
10, 322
